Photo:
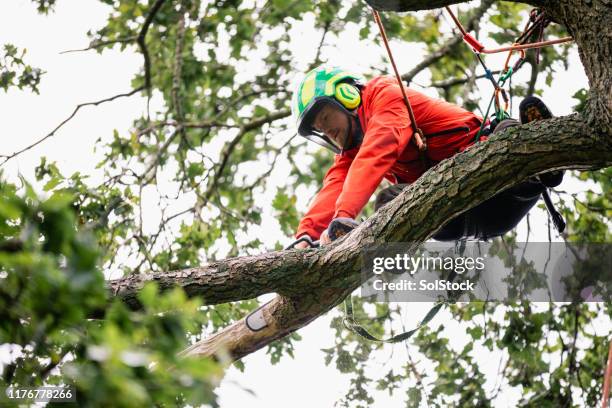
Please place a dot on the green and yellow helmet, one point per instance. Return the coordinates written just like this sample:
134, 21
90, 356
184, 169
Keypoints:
323, 85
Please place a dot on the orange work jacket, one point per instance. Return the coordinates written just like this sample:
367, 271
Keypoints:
386, 151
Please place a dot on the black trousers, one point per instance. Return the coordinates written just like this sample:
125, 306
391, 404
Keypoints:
494, 217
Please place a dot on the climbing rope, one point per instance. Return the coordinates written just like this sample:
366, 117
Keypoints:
480, 48
351, 324
418, 133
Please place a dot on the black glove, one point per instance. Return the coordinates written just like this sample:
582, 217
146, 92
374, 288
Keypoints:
304, 238
340, 227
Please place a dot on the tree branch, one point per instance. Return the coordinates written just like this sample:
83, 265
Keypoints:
229, 148
449, 83
311, 282
415, 5
254, 124
140, 40
97, 44
317, 58
72, 115
533, 79
178, 68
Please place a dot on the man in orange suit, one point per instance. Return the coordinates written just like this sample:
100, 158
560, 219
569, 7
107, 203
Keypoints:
368, 127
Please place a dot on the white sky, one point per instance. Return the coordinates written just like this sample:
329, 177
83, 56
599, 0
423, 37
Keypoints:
81, 77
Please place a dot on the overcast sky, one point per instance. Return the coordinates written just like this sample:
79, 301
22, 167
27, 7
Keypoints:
74, 78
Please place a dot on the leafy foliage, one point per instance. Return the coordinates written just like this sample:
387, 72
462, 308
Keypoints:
14, 72
51, 285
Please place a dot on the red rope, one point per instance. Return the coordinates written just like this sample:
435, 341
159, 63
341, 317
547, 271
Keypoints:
479, 47
527, 46
418, 133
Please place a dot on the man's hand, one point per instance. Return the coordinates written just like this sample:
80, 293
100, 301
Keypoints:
338, 227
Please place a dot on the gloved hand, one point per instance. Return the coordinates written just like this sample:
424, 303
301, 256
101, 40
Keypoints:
340, 227
303, 242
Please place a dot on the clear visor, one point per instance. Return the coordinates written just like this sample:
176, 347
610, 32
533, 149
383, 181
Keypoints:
322, 140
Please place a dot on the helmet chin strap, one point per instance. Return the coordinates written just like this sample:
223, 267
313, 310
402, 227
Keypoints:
355, 132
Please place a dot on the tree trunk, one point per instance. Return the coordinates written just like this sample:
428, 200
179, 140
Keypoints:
590, 23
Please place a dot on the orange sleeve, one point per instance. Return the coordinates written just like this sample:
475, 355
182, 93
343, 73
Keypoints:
321, 210
387, 133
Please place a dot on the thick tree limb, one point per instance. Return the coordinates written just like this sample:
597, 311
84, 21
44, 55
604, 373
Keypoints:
311, 282
284, 316
220, 282
590, 23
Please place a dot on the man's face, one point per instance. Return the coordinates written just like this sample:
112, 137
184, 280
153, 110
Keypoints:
333, 123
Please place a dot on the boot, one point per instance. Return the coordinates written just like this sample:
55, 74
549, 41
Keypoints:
532, 109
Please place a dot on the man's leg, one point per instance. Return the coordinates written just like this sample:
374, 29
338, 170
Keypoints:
452, 231
501, 213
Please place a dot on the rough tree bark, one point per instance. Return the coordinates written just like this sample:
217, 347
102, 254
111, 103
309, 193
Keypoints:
311, 282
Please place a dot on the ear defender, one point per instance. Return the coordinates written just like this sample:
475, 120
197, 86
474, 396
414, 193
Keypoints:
347, 95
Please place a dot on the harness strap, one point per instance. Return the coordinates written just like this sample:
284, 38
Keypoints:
351, 324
